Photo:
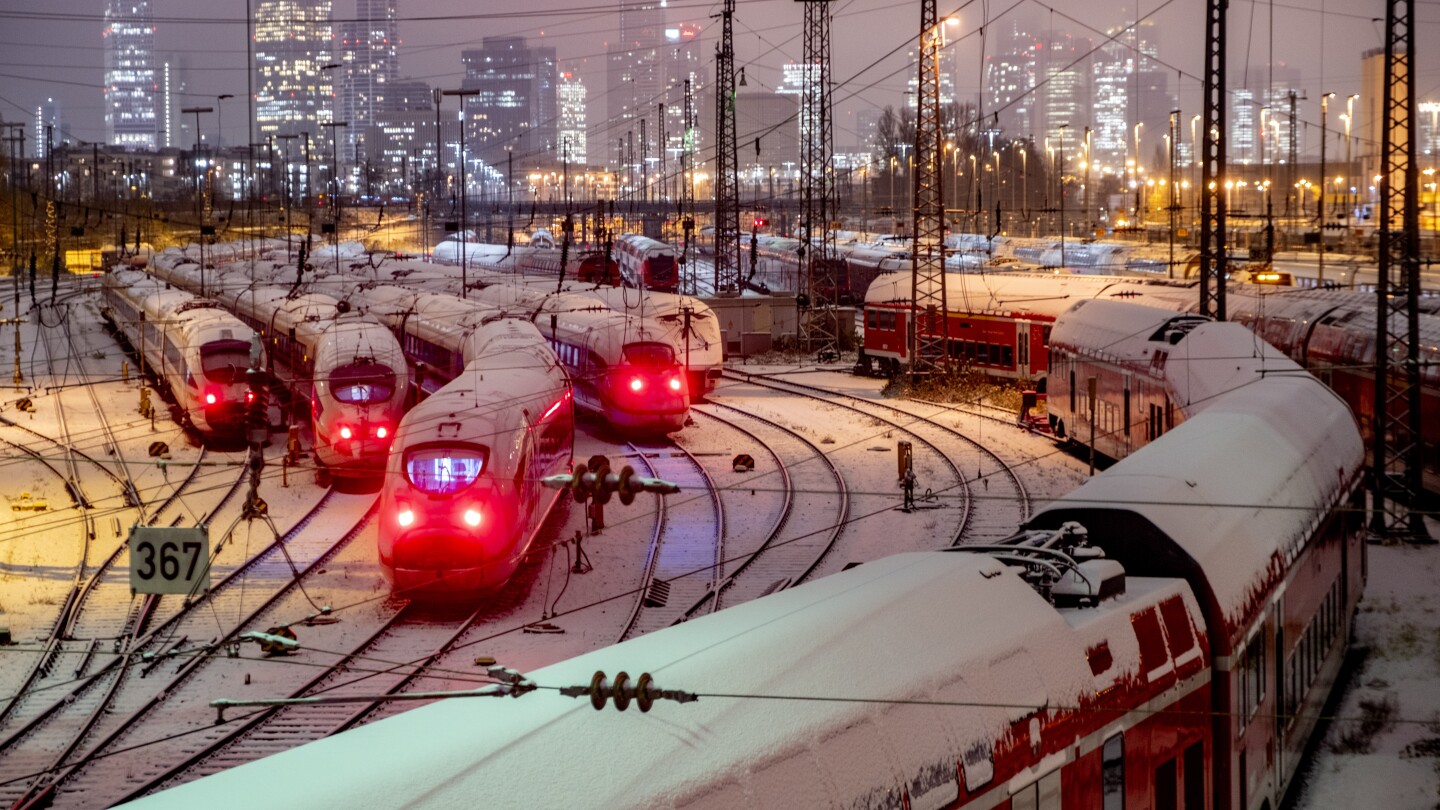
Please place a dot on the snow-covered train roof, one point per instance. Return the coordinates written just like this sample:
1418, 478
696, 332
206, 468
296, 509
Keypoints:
1028, 293
1237, 489
948, 627
1198, 359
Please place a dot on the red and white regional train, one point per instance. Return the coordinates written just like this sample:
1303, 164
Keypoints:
347, 369
647, 263
461, 500
197, 350
1000, 324
1163, 637
588, 266
1153, 369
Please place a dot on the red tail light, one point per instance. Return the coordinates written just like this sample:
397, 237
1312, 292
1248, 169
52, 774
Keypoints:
381, 432
636, 384
249, 397
675, 384
345, 432
211, 398
472, 517
405, 517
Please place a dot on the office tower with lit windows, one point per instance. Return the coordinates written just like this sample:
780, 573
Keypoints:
515, 106
1130, 96
635, 73
1011, 77
570, 134
294, 90
47, 115
683, 59
130, 80
1064, 91
367, 50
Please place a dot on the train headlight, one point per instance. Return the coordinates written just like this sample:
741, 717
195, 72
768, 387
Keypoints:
405, 518
637, 384
675, 384
472, 518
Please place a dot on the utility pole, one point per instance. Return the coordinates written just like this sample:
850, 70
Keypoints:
335, 185
929, 344
464, 191
727, 192
1320, 208
687, 183
1397, 451
1174, 205
1060, 181
1212, 200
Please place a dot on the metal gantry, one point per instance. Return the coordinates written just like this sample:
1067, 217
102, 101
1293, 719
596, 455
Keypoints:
687, 184
928, 343
1397, 452
727, 181
818, 283
1212, 177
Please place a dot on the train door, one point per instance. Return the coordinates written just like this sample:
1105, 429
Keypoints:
1022, 348
1127, 444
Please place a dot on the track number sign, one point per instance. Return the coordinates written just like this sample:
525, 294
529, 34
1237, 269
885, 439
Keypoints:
166, 559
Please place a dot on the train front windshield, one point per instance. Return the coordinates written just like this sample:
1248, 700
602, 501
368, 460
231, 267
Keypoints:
225, 361
649, 355
444, 470
362, 383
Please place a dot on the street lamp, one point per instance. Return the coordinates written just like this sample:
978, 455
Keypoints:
199, 195
1320, 205
1136, 175
464, 190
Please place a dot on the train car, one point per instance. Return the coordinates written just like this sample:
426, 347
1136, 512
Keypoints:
195, 349
1164, 637
1139, 395
347, 369
461, 501
586, 266
647, 263
998, 324
627, 369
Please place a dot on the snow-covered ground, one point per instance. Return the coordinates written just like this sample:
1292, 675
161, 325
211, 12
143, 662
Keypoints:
1395, 762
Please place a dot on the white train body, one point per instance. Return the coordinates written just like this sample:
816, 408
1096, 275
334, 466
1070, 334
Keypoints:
197, 350
647, 263
461, 500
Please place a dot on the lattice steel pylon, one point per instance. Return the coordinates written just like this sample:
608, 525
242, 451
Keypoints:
727, 181
929, 327
1396, 449
1212, 156
819, 283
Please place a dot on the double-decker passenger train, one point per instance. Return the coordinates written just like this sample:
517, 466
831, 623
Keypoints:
647, 263
199, 352
1165, 636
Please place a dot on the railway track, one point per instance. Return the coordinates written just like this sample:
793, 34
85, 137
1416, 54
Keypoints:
682, 568
1003, 503
111, 706
816, 510
384, 663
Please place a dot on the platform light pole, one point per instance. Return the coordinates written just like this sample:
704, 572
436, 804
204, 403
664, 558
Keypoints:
1060, 176
1320, 209
199, 193
464, 190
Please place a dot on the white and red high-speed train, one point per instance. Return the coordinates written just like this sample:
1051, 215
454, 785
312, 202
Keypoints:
461, 500
192, 346
1163, 637
346, 369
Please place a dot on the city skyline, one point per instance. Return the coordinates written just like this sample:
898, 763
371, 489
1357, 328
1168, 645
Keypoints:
431, 46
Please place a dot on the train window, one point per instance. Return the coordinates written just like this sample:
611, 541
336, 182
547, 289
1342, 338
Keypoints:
444, 469
1112, 773
978, 764
871, 321
225, 361
651, 355
1252, 679
362, 382
982, 352
1007, 356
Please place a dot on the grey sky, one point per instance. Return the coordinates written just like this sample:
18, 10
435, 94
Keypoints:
62, 56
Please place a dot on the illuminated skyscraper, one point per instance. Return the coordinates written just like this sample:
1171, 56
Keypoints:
571, 132
130, 81
367, 49
516, 106
635, 78
1010, 80
294, 39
